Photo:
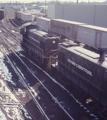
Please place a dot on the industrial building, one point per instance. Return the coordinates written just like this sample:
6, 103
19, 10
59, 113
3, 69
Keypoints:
85, 13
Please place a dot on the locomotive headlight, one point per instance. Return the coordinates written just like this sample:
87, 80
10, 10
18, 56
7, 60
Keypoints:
53, 41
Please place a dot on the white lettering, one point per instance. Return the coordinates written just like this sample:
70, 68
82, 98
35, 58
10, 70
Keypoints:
80, 67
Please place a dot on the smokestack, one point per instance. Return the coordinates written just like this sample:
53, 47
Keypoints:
102, 55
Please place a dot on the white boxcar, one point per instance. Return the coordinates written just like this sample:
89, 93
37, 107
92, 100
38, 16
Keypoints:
64, 27
93, 36
18, 14
34, 17
43, 23
26, 17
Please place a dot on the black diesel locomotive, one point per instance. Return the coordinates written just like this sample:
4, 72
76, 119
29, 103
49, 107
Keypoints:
84, 68
39, 44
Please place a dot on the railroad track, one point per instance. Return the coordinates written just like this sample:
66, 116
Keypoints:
9, 19
6, 23
15, 22
69, 116
10, 104
10, 36
5, 50
10, 30
44, 86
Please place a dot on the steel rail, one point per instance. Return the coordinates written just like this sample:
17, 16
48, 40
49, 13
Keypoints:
23, 82
56, 101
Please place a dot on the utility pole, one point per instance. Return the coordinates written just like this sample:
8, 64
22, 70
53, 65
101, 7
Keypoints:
77, 1
45, 6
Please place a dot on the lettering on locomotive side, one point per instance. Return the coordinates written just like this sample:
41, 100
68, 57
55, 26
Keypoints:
80, 67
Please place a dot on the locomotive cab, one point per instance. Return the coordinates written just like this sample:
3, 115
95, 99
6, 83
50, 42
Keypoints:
49, 44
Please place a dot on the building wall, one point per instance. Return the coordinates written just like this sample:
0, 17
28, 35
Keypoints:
101, 15
79, 13
90, 14
51, 11
59, 11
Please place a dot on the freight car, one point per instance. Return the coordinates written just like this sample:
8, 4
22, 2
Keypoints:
39, 44
65, 28
18, 15
1, 14
93, 36
24, 16
61, 27
43, 23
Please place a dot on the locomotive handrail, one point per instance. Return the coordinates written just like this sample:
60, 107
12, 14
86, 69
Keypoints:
51, 50
54, 53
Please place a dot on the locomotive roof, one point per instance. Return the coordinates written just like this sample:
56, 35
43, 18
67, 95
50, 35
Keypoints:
94, 27
87, 54
41, 33
26, 24
67, 21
